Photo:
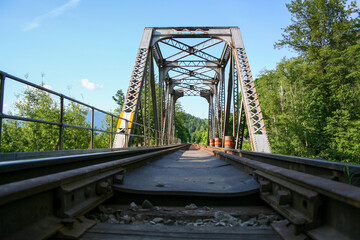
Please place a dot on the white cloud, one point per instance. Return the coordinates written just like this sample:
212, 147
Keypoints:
53, 13
90, 85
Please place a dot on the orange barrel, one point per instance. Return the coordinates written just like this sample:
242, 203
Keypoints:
218, 142
229, 142
211, 142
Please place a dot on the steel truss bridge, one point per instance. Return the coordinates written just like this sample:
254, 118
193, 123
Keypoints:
48, 194
187, 66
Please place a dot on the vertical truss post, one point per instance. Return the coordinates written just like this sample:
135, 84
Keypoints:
146, 103
170, 118
209, 133
143, 118
211, 119
215, 113
228, 100
213, 128
161, 98
240, 125
257, 131
153, 98
173, 122
221, 105
166, 114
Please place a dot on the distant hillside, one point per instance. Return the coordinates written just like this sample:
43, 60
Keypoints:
190, 128
98, 119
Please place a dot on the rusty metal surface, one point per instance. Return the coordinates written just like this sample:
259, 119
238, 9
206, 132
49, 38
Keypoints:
11, 171
42, 205
326, 169
195, 173
317, 207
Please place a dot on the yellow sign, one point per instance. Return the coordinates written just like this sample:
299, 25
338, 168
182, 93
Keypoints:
122, 123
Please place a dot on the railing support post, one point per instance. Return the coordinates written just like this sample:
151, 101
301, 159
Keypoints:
2, 87
92, 129
126, 132
111, 131
61, 127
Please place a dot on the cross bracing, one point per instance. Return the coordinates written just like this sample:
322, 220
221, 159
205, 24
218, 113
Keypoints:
209, 62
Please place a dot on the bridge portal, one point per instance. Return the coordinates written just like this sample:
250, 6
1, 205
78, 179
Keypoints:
189, 65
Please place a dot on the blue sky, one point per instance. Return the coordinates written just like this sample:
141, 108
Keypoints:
87, 49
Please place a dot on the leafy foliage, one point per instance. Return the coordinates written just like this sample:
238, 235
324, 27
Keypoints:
311, 102
189, 128
26, 136
119, 99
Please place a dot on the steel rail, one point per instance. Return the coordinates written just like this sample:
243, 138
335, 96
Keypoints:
18, 170
332, 170
315, 207
50, 204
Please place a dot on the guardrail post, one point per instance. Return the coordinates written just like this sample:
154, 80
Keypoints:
92, 129
111, 131
126, 132
156, 138
61, 120
145, 135
2, 87
151, 137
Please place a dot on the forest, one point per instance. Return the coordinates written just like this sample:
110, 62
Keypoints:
311, 102
189, 128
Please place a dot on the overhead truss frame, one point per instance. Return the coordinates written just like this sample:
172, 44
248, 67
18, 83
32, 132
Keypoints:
193, 71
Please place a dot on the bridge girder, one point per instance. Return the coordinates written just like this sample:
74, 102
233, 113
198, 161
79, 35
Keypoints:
191, 70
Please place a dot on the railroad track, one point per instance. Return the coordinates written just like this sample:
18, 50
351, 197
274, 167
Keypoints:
65, 196
44, 205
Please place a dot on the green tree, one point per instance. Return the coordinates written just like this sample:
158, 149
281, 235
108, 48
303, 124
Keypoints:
31, 136
26, 136
119, 99
189, 128
76, 138
102, 139
320, 23
310, 102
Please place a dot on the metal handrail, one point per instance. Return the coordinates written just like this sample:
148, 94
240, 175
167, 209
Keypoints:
61, 124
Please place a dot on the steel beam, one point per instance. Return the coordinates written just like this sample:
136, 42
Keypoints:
153, 99
228, 100
194, 78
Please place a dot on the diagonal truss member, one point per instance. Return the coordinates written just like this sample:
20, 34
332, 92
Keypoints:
194, 69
